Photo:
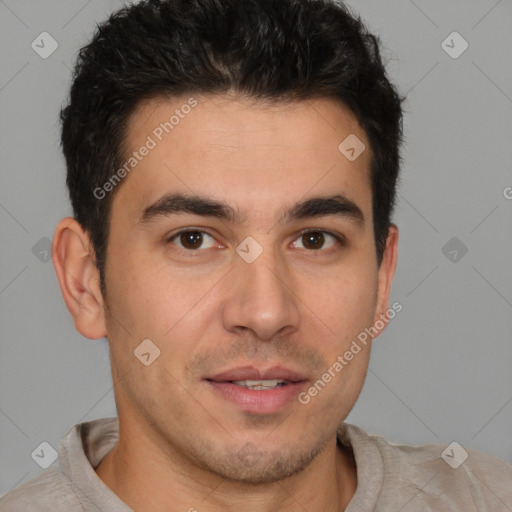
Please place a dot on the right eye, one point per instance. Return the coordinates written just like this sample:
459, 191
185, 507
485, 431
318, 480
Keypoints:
190, 240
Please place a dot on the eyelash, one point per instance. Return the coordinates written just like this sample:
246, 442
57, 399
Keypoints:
340, 240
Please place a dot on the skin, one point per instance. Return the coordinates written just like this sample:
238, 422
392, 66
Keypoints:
209, 310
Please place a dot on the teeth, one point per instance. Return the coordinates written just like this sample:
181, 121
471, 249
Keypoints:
260, 384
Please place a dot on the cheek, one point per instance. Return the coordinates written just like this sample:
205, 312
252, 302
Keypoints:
346, 304
152, 299
132, 286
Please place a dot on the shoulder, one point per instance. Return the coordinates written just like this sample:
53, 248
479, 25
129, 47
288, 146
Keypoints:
453, 475
446, 476
48, 492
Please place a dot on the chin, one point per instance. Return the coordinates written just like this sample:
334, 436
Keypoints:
250, 466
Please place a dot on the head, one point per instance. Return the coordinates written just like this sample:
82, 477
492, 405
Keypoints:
242, 104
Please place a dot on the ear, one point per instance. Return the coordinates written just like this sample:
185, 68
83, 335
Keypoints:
79, 280
385, 277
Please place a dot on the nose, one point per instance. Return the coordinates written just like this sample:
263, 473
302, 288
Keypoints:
260, 298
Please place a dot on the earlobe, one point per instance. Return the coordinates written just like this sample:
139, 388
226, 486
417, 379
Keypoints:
72, 255
386, 274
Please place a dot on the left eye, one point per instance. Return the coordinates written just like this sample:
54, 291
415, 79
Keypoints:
314, 239
192, 240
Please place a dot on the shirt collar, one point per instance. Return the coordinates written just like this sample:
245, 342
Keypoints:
86, 444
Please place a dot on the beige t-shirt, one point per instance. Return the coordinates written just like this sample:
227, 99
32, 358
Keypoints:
391, 477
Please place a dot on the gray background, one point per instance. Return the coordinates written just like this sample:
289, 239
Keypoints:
439, 373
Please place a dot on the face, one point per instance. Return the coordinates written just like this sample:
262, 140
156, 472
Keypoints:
258, 282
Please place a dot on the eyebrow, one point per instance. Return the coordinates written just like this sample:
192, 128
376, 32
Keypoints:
175, 203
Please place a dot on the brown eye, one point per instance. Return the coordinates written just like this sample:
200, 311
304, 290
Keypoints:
190, 240
315, 240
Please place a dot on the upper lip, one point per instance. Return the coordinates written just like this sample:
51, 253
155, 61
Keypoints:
252, 373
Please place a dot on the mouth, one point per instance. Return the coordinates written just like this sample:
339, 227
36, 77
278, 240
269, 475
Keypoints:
257, 391
261, 384
250, 374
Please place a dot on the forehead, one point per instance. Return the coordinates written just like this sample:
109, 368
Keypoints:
250, 154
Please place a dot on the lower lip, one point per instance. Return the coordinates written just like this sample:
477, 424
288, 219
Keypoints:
258, 401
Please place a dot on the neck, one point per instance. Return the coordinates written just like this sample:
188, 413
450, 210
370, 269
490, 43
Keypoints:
145, 480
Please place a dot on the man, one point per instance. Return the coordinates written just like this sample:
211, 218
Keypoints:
232, 168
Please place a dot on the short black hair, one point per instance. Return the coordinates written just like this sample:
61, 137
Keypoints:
269, 50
